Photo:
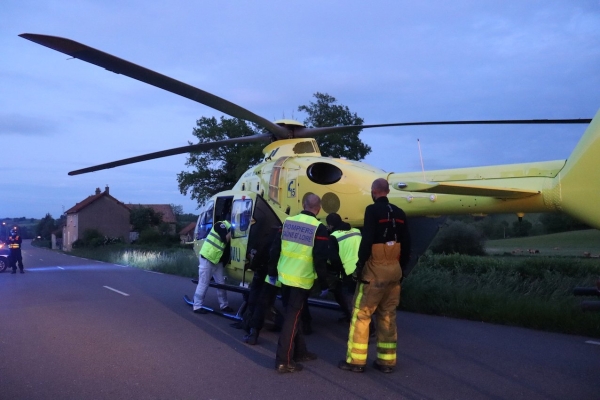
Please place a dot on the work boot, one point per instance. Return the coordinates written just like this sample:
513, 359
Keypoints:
292, 367
227, 309
22, 271
350, 367
200, 311
386, 369
14, 271
252, 337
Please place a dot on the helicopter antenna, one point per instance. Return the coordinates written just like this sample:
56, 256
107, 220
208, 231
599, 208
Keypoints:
421, 157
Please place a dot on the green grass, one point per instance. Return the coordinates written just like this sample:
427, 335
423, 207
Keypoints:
524, 291
573, 244
182, 262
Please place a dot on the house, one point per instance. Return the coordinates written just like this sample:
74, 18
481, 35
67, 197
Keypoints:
100, 211
187, 234
168, 216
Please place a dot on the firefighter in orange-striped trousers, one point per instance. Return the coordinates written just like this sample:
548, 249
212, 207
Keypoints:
384, 248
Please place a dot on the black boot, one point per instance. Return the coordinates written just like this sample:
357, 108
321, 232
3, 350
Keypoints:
252, 337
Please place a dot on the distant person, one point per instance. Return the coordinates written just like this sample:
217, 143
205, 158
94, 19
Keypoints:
214, 254
384, 249
298, 257
14, 244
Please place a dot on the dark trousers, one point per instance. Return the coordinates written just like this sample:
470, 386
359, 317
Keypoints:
262, 304
291, 342
14, 258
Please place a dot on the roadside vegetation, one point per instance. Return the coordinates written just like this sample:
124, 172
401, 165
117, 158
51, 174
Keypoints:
175, 260
532, 292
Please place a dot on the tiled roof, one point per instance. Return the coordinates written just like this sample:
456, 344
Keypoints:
89, 200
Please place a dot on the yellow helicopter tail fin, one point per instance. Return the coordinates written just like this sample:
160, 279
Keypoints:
577, 187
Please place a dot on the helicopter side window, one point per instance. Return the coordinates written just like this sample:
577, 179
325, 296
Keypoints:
274, 180
205, 221
241, 217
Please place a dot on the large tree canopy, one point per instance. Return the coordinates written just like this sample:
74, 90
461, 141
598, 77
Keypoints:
219, 169
325, 112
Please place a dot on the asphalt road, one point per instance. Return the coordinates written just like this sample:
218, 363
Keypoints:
72, 328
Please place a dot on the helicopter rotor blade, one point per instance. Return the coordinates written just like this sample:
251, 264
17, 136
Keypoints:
123, 67
171, 152
311, 132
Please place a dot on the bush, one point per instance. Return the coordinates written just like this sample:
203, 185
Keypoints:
458, 238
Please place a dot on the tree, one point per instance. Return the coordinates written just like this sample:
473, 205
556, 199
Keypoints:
219, 169
142, 218
521, 228
325, 112
45, 227
459, 238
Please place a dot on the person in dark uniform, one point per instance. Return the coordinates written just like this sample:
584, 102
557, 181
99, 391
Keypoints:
14, 244
298, 257
262, 294
384, 249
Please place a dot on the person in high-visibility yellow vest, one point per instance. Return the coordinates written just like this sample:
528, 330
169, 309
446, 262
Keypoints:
384, 249
214, 254
344, 242
298, 257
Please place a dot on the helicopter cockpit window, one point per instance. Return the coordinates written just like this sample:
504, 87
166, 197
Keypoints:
241, 217
205, 221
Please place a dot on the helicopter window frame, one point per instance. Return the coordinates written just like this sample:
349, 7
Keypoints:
205, 221
241, 217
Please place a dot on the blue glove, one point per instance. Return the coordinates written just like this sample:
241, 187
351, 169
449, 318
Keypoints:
273, 280
324, 293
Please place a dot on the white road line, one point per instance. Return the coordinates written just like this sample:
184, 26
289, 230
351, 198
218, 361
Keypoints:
593, 342
115, 290
60, 267
153, 272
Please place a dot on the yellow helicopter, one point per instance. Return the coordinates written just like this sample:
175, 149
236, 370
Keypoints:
293, 167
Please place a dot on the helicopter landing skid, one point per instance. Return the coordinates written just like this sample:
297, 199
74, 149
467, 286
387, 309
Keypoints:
234, 317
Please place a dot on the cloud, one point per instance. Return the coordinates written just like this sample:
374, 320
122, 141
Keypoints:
18, 124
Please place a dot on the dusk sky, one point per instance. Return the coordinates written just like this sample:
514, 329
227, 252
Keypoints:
388, 61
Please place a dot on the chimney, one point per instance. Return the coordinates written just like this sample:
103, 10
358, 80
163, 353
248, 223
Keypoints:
97, 190
106, 190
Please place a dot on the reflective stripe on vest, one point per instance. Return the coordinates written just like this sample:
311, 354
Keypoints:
213, 246
348, 242
295, 266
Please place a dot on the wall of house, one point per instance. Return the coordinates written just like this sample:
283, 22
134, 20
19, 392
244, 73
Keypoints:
70, 232
109, 218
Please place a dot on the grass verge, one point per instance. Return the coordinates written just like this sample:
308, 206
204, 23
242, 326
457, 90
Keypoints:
529, 292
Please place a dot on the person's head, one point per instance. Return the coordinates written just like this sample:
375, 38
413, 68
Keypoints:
333, 221
312, 203
379, 188
14, 231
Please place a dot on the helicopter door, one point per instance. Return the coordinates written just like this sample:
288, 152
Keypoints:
290, 191
241, 220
